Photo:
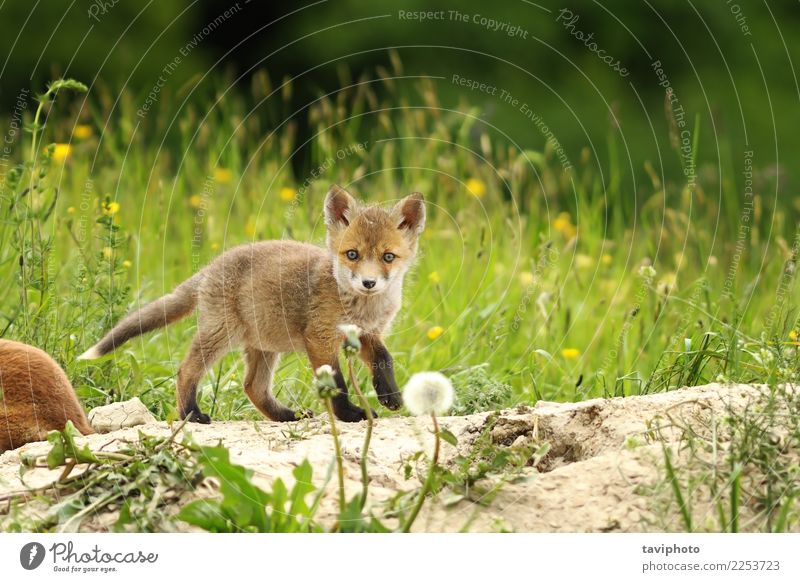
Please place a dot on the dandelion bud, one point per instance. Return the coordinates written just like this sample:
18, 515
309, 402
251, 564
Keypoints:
325, 382
647, 271
352, 343
428, 393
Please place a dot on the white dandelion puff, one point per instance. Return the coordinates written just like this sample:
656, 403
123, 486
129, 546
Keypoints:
325, 382
352, 343
428, 393
324, 370
350, 329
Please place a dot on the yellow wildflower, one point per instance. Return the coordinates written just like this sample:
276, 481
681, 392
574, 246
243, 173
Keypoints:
127, 264
435, 332
476, 187
110, 208
71, 210
793, 335
250, 228
668, 283
223, 175
570, 353
526, 278
563, 224
215, 247
433, 277
108, 252
606, 259
82, 131
288, 194
583, 261
61, 152
195, 200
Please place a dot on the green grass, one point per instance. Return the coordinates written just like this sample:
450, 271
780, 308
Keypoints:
563, 286
732, 472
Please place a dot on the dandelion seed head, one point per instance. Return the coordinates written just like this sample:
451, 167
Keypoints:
350, 329
428, 393
324, 370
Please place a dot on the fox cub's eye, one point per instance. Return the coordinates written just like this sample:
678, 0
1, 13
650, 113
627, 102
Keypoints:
388, 257
352, 255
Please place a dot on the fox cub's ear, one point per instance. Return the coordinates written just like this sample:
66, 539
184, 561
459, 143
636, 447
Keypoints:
339, 207
410, 213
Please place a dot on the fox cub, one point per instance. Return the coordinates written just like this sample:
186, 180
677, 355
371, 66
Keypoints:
274, 297
35, 397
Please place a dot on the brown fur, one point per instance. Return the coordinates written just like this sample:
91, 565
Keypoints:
36, 396
274, 297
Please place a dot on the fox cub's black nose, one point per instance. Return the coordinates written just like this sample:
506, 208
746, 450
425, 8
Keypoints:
368, 283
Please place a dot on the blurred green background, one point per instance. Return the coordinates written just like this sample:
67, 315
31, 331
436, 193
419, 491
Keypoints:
730, 63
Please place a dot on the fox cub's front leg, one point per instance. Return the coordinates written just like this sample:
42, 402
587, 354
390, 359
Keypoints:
381, 366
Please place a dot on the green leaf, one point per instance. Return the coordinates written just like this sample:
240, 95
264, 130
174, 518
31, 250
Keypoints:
206, 514
70, 84
351, 520
242, 502
80, 455
303, 474
56, 456
448, 437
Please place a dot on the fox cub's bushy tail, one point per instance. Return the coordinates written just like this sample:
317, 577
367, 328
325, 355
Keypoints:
159, 313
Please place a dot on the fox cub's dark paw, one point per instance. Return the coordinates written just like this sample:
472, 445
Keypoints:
289, 415
391, 400
301, 414
198, 417
351, 413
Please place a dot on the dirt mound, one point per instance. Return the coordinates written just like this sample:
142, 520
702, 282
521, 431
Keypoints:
601, 456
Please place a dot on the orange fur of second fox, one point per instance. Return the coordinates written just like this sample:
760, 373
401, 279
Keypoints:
35, 396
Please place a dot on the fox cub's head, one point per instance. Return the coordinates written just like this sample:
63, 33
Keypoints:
372, 247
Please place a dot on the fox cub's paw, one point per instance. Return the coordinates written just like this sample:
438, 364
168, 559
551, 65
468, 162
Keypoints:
199, 417
289, 415
352, 413
391, 400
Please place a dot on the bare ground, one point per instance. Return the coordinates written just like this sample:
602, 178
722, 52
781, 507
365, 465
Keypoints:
603, 458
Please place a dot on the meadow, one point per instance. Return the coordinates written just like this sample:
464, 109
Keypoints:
540, 276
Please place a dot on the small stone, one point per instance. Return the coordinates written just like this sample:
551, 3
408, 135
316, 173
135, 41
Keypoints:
119, 415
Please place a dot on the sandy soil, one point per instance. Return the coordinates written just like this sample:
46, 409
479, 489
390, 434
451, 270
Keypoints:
601, 457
